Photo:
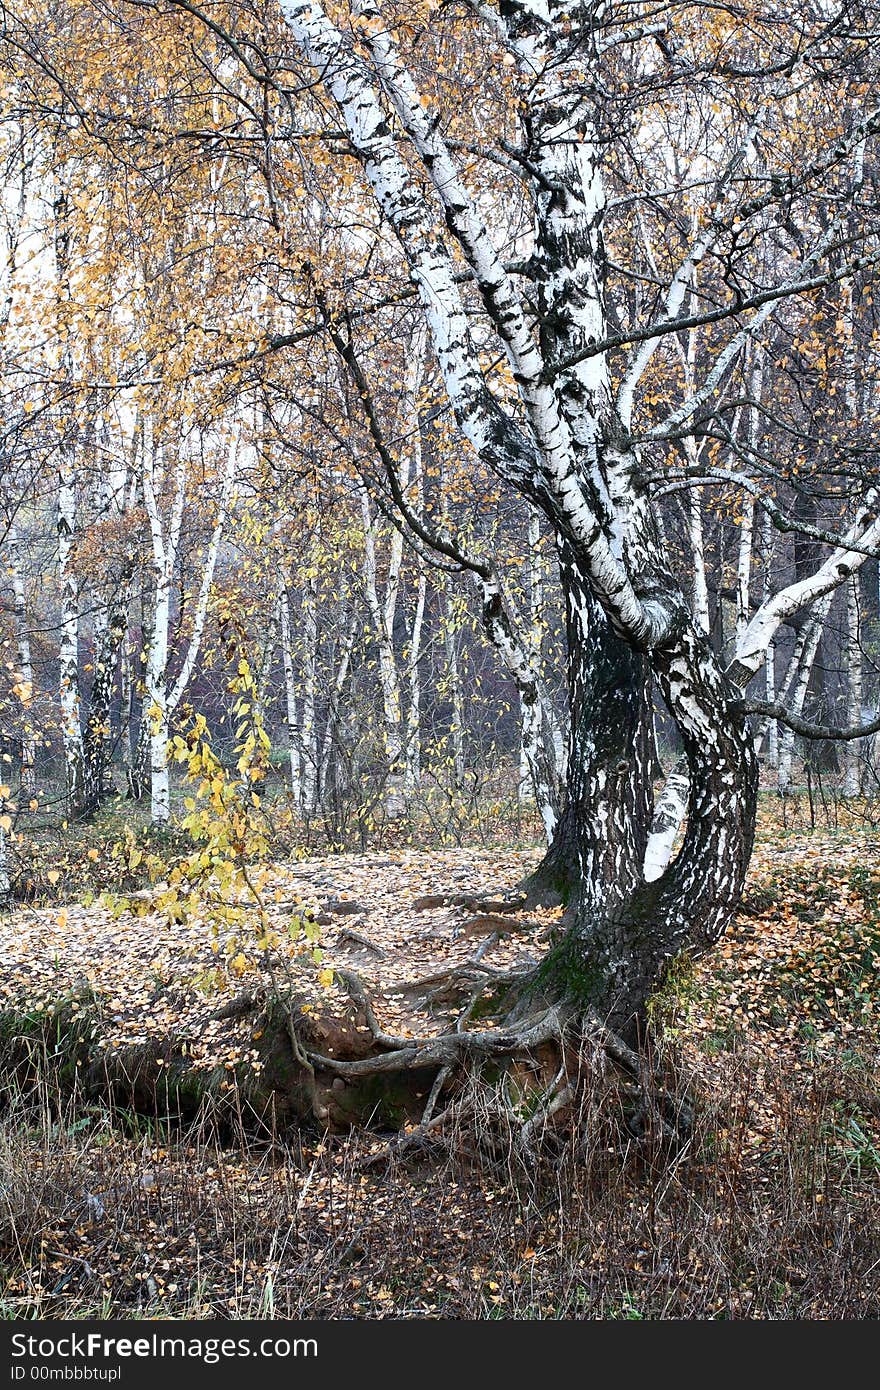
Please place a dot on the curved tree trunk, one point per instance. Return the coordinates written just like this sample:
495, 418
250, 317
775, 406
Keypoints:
609, 787
566, 448
624, 927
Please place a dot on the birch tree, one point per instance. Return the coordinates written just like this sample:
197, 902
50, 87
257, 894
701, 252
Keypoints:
566, 427
164, 687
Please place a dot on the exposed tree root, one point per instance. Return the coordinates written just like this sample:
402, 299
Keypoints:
491, 906
499, 924
359, 939
530, 1072
448, 986
472, 902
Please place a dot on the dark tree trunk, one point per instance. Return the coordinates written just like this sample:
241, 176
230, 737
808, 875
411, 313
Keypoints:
622, 931
139, 772
96, 740
610, 763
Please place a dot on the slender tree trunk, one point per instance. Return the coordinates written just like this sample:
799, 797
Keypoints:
293, 729
163, 696
382, 613
140, 776
126, 715
453, 675
700, 586
770, 696
768, 728
532, 639
747, 523
140, 768
308, 725
109, 640
5, 883
744, 564
25, 664
414, 479
266, 658
520, 658
546, 775
334, 727
797, 683
413, 746
700, 592
156, 713
71, 726
852, 784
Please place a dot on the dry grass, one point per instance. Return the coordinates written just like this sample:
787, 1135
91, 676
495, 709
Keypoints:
107, 1215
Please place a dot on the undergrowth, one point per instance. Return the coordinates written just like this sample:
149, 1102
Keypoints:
106, 1214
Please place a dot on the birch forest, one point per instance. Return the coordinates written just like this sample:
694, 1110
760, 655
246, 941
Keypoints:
439, 659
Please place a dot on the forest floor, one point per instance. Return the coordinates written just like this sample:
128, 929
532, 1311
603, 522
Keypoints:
770, 1210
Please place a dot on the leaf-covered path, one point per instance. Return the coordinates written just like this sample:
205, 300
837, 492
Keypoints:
387, 916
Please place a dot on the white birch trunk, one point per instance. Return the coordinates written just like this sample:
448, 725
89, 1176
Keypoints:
669, 814
71, 725
25, 663
700, 590
383, 611
744, 564
535, 588
795, 689
293, 729
343, 665
382, 615
412, 481
164, 549
71, 721
208, 569
308, 726
162, 701
700, 587
852, 779
768, 728
157, 710
126, 700
770, 697
413, 745
450, 644
5, 884
747, 525
521, 660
